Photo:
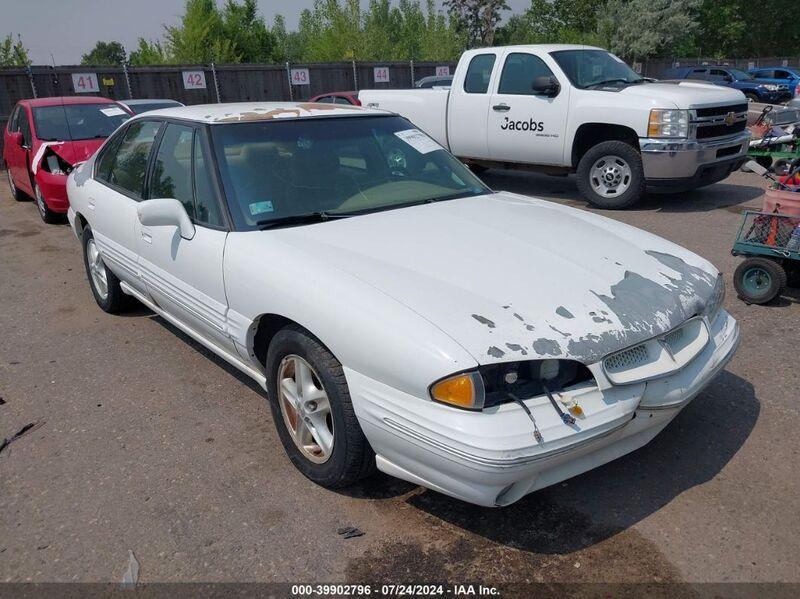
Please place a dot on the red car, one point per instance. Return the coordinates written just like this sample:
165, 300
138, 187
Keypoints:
338, 98
46, 138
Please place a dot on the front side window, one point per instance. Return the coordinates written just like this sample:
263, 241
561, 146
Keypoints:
589, 68
71, 122
24, 127
519, 72
697, 74
718, 75
274, 170
129, 161
479, 72
13, 122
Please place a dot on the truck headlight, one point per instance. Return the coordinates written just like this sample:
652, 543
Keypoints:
715, 300
668, 123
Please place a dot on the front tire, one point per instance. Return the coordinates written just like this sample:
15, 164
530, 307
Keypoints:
312, 411
759, 280
48, 216
611, 175
104, 284
751, 97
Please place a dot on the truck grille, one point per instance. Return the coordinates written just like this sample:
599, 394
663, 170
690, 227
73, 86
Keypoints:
718, 121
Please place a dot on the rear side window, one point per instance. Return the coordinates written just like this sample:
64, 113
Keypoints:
519, 72
129, 162
697, 74
13, 123
24, 127
479, 72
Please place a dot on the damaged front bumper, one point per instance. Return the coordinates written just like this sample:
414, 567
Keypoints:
491, 458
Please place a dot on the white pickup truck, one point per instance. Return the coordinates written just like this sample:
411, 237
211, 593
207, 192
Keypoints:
577, 109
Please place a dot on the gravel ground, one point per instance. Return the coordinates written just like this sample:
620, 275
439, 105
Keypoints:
150, 443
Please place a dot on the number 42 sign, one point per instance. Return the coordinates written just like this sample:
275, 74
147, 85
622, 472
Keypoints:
194, 80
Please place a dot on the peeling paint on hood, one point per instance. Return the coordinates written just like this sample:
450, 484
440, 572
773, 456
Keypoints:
513, 274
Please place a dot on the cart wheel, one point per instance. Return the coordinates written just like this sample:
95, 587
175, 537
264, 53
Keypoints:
781, 167
759, 280
765, 161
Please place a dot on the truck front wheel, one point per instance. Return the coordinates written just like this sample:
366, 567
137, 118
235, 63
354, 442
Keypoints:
610, 175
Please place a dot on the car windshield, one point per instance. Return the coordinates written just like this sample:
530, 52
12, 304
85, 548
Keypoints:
739, 75
276, 171
587, 68
72, 122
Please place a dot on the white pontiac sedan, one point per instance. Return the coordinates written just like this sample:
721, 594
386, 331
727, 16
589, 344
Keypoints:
397, 312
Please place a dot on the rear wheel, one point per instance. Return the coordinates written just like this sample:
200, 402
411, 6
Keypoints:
759, 280
15, 193
47, 215
611, 175
312, 411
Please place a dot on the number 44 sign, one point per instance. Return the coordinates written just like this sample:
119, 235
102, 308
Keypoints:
381, 74
194, 80
85, 82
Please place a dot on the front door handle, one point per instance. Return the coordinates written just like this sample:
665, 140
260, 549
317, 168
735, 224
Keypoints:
147, 236
501, 107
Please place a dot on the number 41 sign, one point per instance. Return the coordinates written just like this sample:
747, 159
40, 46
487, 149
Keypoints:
85, 82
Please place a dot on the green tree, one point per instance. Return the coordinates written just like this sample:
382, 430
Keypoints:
105, 53
642, 28
147, 53
247, 32
478, 19
13, 53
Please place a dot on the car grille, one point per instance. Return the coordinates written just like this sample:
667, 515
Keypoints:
659, 356
716, 121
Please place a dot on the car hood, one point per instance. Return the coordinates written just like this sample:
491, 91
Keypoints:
507, 276
685, 94
71, 151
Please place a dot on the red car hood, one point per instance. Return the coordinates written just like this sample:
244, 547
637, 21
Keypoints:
74, 151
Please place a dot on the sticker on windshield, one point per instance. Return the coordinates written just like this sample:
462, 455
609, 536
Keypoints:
260, 207
418, 140
113, 111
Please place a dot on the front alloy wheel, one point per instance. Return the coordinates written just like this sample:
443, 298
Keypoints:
305, 408
47, 215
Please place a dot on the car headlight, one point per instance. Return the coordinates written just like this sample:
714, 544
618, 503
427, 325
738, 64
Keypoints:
771, 87
668, 123
715, 300
493, 384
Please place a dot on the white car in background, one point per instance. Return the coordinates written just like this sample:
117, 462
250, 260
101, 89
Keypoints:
397, 311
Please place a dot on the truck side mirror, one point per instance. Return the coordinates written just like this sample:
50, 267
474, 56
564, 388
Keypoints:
546, 85
727, 78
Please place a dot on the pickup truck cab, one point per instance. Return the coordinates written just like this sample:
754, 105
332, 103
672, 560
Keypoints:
754, 89
569, 108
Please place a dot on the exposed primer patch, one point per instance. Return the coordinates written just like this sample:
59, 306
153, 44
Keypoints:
484, 320
562, 333
597, 318
518, 317
563, 312
259, 113
547, 347
495, 352
517, 347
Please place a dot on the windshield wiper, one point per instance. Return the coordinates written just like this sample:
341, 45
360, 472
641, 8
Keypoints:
617, 80
298, 219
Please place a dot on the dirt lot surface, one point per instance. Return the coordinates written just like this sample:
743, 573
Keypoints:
150, 443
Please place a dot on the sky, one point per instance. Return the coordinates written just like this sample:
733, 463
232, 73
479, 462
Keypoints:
68, 28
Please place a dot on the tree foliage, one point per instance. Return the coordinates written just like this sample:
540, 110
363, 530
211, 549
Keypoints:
477, 19
13, 53
105, 53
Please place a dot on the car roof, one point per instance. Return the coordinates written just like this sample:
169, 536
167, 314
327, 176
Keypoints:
61, 100
140, 101
259, 111
542, 47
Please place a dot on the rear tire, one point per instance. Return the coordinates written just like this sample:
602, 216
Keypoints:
759, 280
611, 175
48, 216
104, 284
331, 451
15, 192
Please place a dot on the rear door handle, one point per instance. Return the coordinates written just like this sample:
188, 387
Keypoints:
90, 205
501, 107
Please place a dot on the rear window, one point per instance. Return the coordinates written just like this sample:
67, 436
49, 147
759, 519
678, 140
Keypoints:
77, 121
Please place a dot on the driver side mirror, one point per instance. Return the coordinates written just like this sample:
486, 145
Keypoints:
165, 212
727, 78
16, 138
546, 85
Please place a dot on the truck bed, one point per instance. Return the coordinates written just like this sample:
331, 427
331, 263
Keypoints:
426, 108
